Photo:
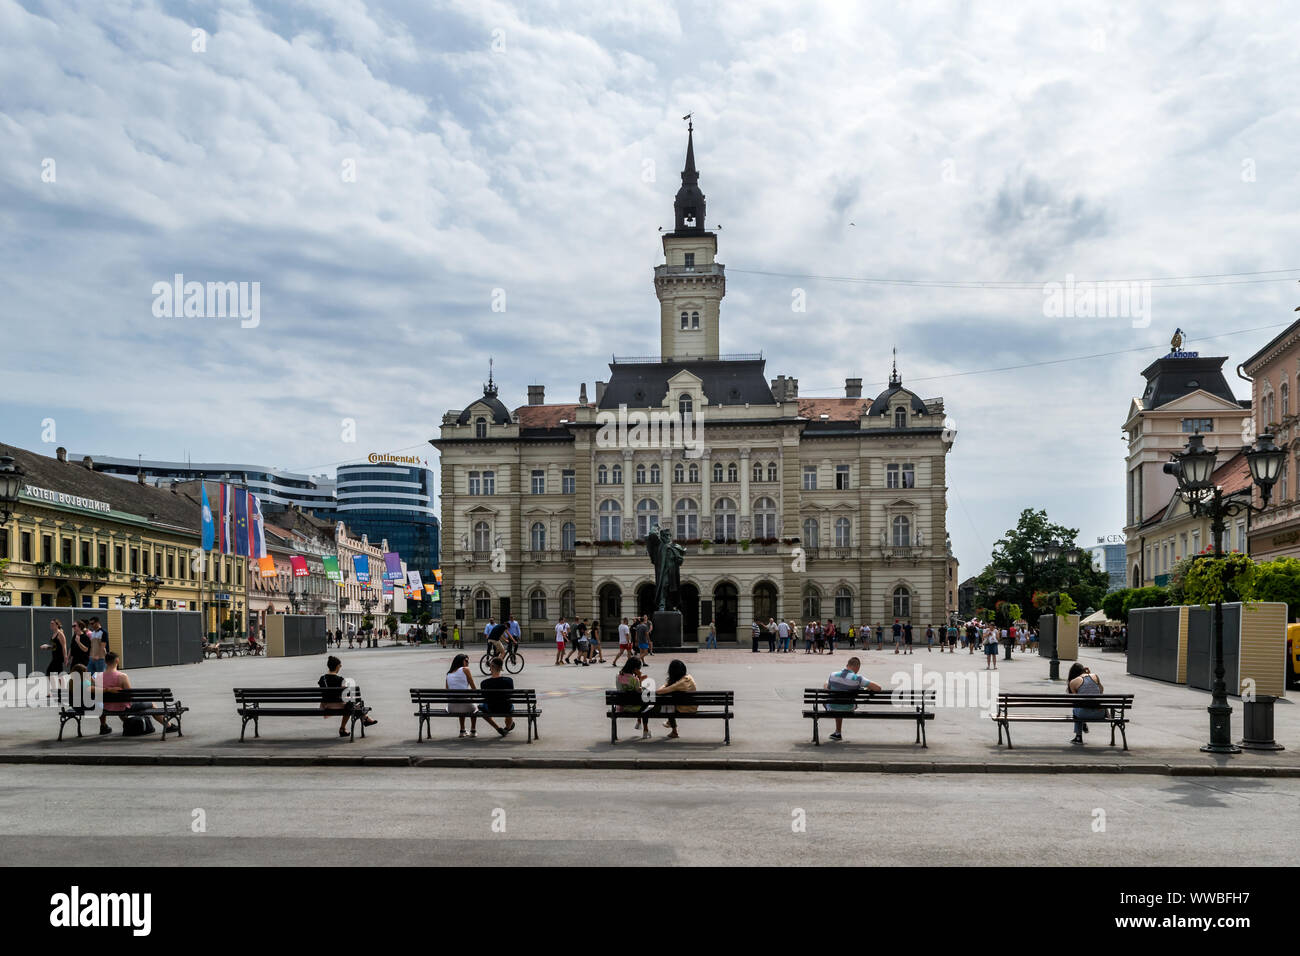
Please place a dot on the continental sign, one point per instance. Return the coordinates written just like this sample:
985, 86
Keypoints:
376, 459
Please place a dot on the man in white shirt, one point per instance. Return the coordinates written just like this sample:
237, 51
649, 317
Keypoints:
624, 641
561, 635
783, 633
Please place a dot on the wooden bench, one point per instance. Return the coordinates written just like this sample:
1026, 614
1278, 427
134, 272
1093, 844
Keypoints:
657, 706
254, 703
869, 705
163, 705
433, 702
1010, 707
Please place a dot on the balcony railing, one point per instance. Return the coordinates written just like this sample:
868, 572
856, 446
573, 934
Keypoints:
711, 269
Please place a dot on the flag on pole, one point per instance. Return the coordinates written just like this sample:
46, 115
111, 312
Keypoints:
299, 565
223, 511
257, 546
209, 527
437, 575
331, 563
267, 566
393, 566
361, 564
413, 579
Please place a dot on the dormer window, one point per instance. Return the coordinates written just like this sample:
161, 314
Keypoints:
690, 260
685, 407
480, 427
900, 417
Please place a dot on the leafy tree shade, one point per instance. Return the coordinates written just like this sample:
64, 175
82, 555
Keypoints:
1152, 596
1014, 552
1279, 580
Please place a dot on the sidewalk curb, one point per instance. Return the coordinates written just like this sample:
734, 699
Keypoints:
751, 764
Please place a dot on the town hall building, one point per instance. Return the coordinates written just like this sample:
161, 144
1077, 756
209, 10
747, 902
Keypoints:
788, 507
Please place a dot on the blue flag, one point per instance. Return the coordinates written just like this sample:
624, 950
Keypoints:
209, 527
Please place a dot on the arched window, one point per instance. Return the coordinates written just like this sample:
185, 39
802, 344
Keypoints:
611, 520
843, 603
602, 475
480, 428
566, 603
843, 533
616, 475
640, 474
482, 536
724, 520
537, 605
758, 471
812, 604
647, 516
902, 531
654, 474
482, 604
733, 473
902, 602
537, 537
765, 518
1286, 403
688, 519
810, 534
685, 321
695, 320
771, 471
568, 536
693, 474
900, 417
685, 407
679, 473
717, 471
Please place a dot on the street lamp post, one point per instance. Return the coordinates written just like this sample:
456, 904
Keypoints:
11, 482
1193, 468
1051, 553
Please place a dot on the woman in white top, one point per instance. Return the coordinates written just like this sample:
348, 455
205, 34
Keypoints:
460, 678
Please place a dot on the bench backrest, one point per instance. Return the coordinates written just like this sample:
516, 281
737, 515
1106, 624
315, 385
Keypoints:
919, 699
441, 695
296, 695
1089, 701
697, 698
138, 694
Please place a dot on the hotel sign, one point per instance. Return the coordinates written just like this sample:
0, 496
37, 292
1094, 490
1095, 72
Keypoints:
59, 498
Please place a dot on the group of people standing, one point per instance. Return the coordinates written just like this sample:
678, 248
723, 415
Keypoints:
83, 654
581, 639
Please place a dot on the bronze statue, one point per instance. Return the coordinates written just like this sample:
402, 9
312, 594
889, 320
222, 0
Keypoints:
666, 555
1176, 342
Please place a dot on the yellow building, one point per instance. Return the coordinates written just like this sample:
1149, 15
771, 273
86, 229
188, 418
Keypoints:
80, 538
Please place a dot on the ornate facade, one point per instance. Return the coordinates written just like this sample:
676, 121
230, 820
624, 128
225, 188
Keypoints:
788, 507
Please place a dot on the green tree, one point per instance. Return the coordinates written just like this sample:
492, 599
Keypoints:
390, 622
1113, 604
1152, 596
1014, 553
1279, 580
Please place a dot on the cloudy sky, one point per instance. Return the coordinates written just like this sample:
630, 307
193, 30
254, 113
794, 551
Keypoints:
381, 168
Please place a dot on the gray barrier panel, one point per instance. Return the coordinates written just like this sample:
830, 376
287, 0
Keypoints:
1047, 636
15, 639
189, 630
304, 635
1153, 643
135, 643
1200, 648
166, 642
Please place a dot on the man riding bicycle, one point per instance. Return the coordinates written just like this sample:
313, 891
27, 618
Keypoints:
498, 640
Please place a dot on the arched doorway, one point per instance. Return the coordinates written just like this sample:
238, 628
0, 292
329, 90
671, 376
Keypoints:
66, 597
690, 613
765, 607
726, 607
645, 599
611, 611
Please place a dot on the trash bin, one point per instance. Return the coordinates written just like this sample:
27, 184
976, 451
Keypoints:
1257, 725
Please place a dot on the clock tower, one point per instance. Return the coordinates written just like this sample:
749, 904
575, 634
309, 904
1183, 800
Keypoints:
690, 284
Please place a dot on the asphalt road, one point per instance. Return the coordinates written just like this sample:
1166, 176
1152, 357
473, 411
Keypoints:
57, 815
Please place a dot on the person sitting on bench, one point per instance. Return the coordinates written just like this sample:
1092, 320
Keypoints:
114, 679
1082, 681
678, 679
496, 697
333, 701
849, 681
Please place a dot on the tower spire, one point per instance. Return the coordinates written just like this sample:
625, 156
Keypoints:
894, 377
688, 206
490, 389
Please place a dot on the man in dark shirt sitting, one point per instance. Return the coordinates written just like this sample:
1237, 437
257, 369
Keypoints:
496, 698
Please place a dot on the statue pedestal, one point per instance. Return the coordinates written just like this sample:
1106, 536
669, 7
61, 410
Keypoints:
667, 636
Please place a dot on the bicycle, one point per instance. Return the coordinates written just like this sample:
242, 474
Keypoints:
512, 662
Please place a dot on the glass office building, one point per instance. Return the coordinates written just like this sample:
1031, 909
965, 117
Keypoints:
394, 502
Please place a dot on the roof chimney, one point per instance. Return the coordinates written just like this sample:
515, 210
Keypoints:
61, 453
853, 388
600, 392
536, 394
88, 462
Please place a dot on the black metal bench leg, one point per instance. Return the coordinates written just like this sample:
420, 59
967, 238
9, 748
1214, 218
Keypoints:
726, 722
613, 730
1123, 732
816, 739
1112, 733
1008, 728
243, 728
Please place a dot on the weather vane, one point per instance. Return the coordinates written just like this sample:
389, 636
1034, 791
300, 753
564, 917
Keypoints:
690, 124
